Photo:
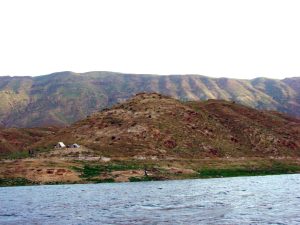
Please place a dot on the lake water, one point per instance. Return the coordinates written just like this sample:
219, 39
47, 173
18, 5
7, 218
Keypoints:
240, 200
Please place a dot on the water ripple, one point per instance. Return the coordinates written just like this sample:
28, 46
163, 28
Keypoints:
243, 200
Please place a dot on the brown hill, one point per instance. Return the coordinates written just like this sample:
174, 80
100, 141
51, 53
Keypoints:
160, 126
19, 139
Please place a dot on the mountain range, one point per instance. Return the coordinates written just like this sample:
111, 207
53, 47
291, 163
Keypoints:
65, 97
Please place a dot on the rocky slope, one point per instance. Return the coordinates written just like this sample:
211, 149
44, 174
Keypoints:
160, 126
66, 97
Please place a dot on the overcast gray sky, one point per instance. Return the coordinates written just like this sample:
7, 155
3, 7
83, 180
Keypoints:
240, 39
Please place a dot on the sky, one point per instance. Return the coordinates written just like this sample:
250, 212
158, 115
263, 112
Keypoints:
232, 38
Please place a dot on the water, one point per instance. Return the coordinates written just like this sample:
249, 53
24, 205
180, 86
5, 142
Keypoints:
241, 200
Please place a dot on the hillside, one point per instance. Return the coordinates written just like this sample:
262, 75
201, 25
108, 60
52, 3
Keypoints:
66, 97
167, 138
15, 140
152, 124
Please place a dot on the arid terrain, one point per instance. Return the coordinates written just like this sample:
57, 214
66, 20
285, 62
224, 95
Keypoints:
13, 140
156, 137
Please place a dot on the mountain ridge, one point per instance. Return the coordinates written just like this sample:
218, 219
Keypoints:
146, 74
65, 97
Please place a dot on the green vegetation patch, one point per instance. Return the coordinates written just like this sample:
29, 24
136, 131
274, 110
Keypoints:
16, 155
89, 171
18, 181
275, 168
43, 149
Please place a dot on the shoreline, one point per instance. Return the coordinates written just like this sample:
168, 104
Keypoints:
198, 178
46, 172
